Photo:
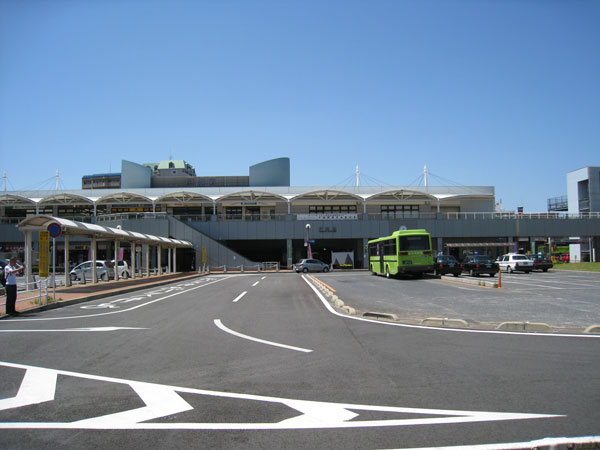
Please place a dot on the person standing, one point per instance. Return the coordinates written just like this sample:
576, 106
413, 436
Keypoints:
10, 272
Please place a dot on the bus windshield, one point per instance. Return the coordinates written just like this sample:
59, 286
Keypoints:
409, 243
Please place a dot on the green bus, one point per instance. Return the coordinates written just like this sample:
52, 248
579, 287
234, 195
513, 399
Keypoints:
404, 252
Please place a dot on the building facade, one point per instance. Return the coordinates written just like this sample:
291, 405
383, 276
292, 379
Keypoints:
244, 225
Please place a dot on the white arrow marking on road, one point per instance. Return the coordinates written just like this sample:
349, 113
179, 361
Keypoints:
39, 385
73, 329
160, 401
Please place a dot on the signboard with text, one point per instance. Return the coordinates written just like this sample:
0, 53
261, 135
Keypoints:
44, 253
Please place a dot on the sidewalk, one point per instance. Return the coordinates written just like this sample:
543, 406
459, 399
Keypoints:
85, 292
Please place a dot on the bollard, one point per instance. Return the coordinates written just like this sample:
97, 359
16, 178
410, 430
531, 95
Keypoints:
242, 268
224, 269
499, 279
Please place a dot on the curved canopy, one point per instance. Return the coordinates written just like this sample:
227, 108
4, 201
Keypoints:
328, 194
71, 227
13, 199
124, 198
402, 195
65, 199
183, 197
252, 196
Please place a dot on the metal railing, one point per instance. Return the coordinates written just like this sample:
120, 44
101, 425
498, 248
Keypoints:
36, 293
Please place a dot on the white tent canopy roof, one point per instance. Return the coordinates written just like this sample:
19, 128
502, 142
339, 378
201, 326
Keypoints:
71, 227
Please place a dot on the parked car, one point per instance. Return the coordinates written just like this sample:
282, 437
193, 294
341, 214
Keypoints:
311, 265
476, 265
124, 270
104, 271
540, 262
444, 264
515, 261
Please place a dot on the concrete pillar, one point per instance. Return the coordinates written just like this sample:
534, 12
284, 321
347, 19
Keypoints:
175, 259
169, 259
133, 253
116, 258
440, 245
67, 266
289, 251
94, 274
148, 260
159, 259
365, 250
28, 252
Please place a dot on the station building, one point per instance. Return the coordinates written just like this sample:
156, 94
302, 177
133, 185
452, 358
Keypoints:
259, 217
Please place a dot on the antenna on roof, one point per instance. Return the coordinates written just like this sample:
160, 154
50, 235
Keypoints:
57, 179
5, 179
357, 176
425, 175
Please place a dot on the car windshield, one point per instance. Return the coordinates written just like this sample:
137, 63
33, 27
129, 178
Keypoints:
519, 257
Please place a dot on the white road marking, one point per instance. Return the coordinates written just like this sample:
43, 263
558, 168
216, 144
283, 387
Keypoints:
162, 400
539, 443
73, 329
219, 324
113, 312
255, 283
452, 330
237, 299
263, 278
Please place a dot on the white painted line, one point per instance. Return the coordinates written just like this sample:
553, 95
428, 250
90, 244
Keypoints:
219, 324
255, 283
263, 278
65, 330
540, 443
113, 312
452, 330
162, 400
237, 299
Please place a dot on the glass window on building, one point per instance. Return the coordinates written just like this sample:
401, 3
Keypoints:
399, 211
332, 209
233, 213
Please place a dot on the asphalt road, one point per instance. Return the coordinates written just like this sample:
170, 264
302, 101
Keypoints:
258, 361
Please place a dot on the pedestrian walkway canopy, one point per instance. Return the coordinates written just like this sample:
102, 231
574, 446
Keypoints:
73, 228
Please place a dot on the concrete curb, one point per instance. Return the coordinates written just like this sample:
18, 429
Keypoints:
524, 326
592, 329
472, 281
445, 322
380, 315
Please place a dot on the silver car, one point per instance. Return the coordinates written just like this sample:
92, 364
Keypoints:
311, 265
103, 271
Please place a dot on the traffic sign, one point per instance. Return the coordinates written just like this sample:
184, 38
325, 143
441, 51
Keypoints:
55, 230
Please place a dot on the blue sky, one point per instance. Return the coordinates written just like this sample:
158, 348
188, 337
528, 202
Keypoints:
502, 93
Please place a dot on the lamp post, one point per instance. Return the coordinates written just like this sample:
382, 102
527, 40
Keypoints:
308, 250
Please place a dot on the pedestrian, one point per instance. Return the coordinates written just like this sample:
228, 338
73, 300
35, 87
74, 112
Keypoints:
10, 272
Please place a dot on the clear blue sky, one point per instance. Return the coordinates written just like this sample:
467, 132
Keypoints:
502, 93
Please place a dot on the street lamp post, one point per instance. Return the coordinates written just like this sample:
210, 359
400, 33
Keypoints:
308, 250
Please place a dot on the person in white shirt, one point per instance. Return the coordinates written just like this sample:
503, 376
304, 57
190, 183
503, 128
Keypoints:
10, 272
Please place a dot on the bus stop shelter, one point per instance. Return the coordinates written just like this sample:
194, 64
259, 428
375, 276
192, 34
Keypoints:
97, 232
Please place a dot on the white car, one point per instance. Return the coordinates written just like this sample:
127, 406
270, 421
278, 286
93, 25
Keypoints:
124, 270
103, 271
515, 261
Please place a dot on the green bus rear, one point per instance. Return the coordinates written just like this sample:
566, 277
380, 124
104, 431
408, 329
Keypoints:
404, 252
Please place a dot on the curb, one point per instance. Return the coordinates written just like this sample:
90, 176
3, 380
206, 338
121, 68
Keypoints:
592, 329
524, 326
445, 322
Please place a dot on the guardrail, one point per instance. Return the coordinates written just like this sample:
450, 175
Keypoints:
260, 267
36, 292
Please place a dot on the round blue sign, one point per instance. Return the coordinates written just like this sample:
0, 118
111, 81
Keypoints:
54, 230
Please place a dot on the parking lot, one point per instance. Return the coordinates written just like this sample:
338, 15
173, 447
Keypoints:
569, 300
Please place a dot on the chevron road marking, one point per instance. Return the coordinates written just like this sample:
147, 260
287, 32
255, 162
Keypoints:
39, 385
